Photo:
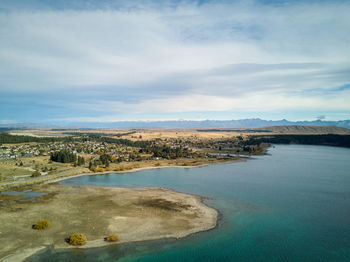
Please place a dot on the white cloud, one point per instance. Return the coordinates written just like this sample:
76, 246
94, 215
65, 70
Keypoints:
264, 101
228, 56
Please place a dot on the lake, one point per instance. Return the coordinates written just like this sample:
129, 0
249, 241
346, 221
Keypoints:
290, 205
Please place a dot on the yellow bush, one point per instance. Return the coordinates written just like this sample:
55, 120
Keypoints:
112, 238
100, 169
42, 224
119, 168
77, 239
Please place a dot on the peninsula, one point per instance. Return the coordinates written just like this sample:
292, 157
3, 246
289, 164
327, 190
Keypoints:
97, 212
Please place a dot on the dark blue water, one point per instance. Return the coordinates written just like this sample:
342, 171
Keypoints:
291, 205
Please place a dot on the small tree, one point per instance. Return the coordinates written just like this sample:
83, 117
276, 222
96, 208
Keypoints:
112, 238
36, 174
81, 161
42, 224
100, 169
105, 159
77, 239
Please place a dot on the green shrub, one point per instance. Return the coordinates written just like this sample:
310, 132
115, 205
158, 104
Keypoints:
112, 238
77, 239
42, 224
36, 174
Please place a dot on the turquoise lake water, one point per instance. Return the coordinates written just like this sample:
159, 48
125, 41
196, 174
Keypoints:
290, 205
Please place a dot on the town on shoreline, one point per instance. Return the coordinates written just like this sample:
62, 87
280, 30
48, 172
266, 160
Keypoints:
26, 160
36, 156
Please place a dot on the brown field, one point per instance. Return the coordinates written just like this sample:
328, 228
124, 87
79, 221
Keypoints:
11, 172
151, 134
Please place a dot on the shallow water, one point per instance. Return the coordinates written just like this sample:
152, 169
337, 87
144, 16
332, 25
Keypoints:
291, 205
27, 195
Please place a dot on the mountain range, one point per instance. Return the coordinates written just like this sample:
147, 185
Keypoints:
173, 124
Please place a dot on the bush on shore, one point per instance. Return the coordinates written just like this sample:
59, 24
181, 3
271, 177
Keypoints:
77, 239
42, 224
112, 238
36, 174
100, 169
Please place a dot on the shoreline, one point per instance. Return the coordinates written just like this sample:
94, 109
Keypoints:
48, 180
134, 170
139, 169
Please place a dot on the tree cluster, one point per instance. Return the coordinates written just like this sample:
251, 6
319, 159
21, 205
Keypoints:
329, 140
105, 159
80, 161
63, 156
6, 138
167, 152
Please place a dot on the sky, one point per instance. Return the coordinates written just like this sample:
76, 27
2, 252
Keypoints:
67, 61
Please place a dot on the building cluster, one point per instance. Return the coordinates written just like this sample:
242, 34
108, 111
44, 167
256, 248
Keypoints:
168, 148
12, 151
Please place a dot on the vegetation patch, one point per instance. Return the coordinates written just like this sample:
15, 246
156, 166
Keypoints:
6, 138
327, 140
77, 239
36, 174
42, 224
112, 238
163, 204
100, 170
63, 156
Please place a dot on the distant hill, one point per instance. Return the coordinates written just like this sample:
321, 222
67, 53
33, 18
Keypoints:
180, 124
295, 129
254, 122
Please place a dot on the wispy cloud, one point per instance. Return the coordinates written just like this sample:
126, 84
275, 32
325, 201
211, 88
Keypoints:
174, 57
